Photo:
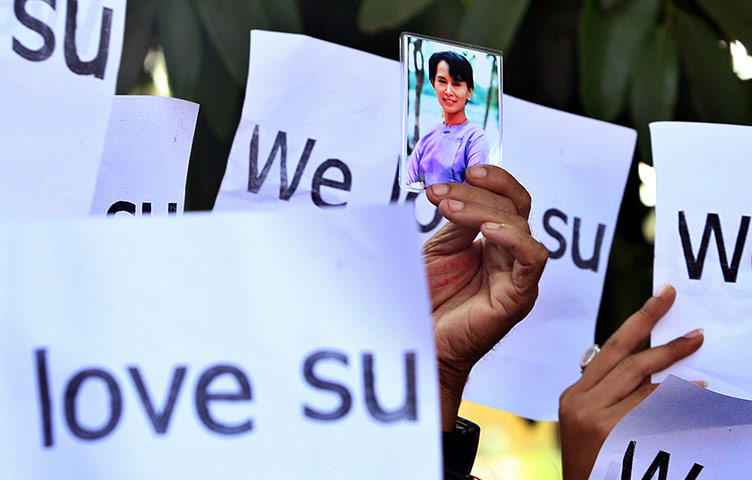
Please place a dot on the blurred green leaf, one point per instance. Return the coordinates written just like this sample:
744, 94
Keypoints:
221, 99
220, 96
493, 23
439, 20
655, 83
609, 4
139, 36
609, 43
377, 15
284, 15
180, 36
734, 17
718, 94
206, 167
229, 22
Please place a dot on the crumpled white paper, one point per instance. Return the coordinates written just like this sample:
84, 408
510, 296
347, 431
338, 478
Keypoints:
680, 431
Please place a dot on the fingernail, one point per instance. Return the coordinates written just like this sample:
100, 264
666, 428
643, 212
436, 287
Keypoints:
700, 383
455, 205
492, 225
694, 333
440, 189
663, 290
478, 171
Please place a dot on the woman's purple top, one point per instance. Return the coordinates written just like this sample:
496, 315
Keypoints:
443, 154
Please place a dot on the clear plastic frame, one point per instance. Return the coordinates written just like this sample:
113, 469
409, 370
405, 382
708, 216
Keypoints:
451, 108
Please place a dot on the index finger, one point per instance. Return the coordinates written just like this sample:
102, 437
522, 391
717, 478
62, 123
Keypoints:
630, 337
498, 180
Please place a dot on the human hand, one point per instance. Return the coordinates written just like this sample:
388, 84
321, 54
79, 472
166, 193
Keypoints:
616, 380
480, 288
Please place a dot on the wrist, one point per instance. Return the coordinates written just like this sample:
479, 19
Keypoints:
451, 385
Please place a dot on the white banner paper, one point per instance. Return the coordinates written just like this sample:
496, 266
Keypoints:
702, 248
208, 347
681, 431
145, 159
58, 66
319, 135
321, 132
575, 169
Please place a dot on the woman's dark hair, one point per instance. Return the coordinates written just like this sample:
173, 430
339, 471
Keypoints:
459, 68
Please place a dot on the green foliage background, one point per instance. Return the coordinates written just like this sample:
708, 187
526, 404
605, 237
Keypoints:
624, 61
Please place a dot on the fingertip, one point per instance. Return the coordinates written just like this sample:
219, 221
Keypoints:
530, 256
660, 303
664, 291
439, 189
432, 195
502, 234
698, 332
477, 171
687, 344
694, 339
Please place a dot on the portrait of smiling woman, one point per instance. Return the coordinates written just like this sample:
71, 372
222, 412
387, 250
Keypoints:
453, 142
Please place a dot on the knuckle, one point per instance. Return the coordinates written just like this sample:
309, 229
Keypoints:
566, 400
601, 428
582, 417
616, 343
628, 364
505, 204
497, 174
574, 416
644, 311
541, 254
594, 425
520, 223
525, 199
565, 395
587, 423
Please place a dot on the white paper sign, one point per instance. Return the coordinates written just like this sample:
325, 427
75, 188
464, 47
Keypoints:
321, 131
299, 349
58, 66
681, 431
702, 247
575, 169
325, 131
145, 159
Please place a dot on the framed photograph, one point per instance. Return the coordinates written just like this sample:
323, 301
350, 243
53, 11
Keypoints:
451, 108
